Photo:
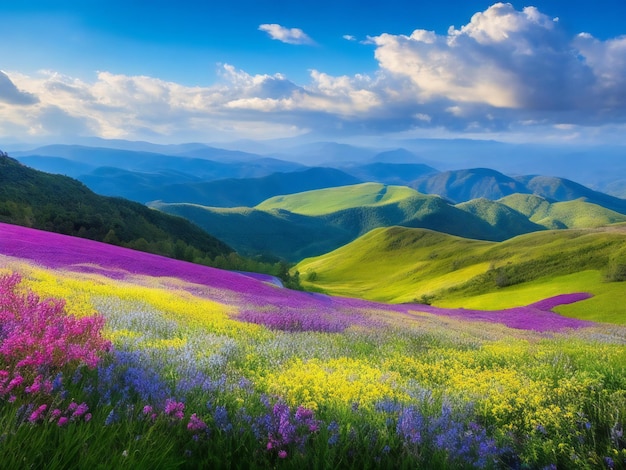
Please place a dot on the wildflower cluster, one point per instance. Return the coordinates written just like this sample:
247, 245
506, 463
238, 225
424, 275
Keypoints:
284, 428
38, 342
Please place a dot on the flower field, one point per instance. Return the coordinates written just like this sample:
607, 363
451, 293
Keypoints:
113, 358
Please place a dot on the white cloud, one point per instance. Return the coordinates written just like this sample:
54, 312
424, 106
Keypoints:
518, 62
349, 37
10, 94
505, 69
287, 35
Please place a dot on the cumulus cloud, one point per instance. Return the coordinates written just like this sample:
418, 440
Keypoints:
10, 94
286, 35
511, 65
349, 37
505, 69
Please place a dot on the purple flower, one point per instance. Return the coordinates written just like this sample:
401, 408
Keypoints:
38, 413
174, 409
196, 424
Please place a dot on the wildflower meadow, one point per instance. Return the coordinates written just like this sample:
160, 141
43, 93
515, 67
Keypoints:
111, 358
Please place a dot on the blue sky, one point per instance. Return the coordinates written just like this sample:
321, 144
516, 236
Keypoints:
177, 71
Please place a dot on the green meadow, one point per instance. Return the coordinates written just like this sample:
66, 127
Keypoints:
325, 201
415, 265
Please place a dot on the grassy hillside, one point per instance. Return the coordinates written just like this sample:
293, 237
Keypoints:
60, 204
561, 189
335, 199
567, 214
403, 265
315, 222
503, 220
253, 232
465, 185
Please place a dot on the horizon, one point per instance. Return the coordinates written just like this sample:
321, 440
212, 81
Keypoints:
552, 73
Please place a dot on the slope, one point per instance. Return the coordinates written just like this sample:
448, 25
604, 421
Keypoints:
403, 265
464, 185
253, 232
505, 221
339, 198
569, 214
561, 189
237, 192
60, 204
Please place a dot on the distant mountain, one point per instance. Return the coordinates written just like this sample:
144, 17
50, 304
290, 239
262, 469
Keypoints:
219, 155
57, 165
247, 192
134, 185
558, 215
399, 155
327, 153
465, 185
61, 204
171, 185
561, 189
131, 160
504, 220
595, 166
399, 264
390, 173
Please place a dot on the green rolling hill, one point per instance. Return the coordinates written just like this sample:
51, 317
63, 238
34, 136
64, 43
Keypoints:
568, 214
561, 189
468, 184
465, 185
398, 264
330, 200
314, 222
254, 232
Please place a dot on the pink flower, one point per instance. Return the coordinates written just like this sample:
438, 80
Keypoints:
147, 409
37, 414
196, 424
79, 410
62, 421
174, 409
87, 417
282, 454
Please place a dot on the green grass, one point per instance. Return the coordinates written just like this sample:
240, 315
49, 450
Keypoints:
568, 214
601, 307
405, 265
326, 201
